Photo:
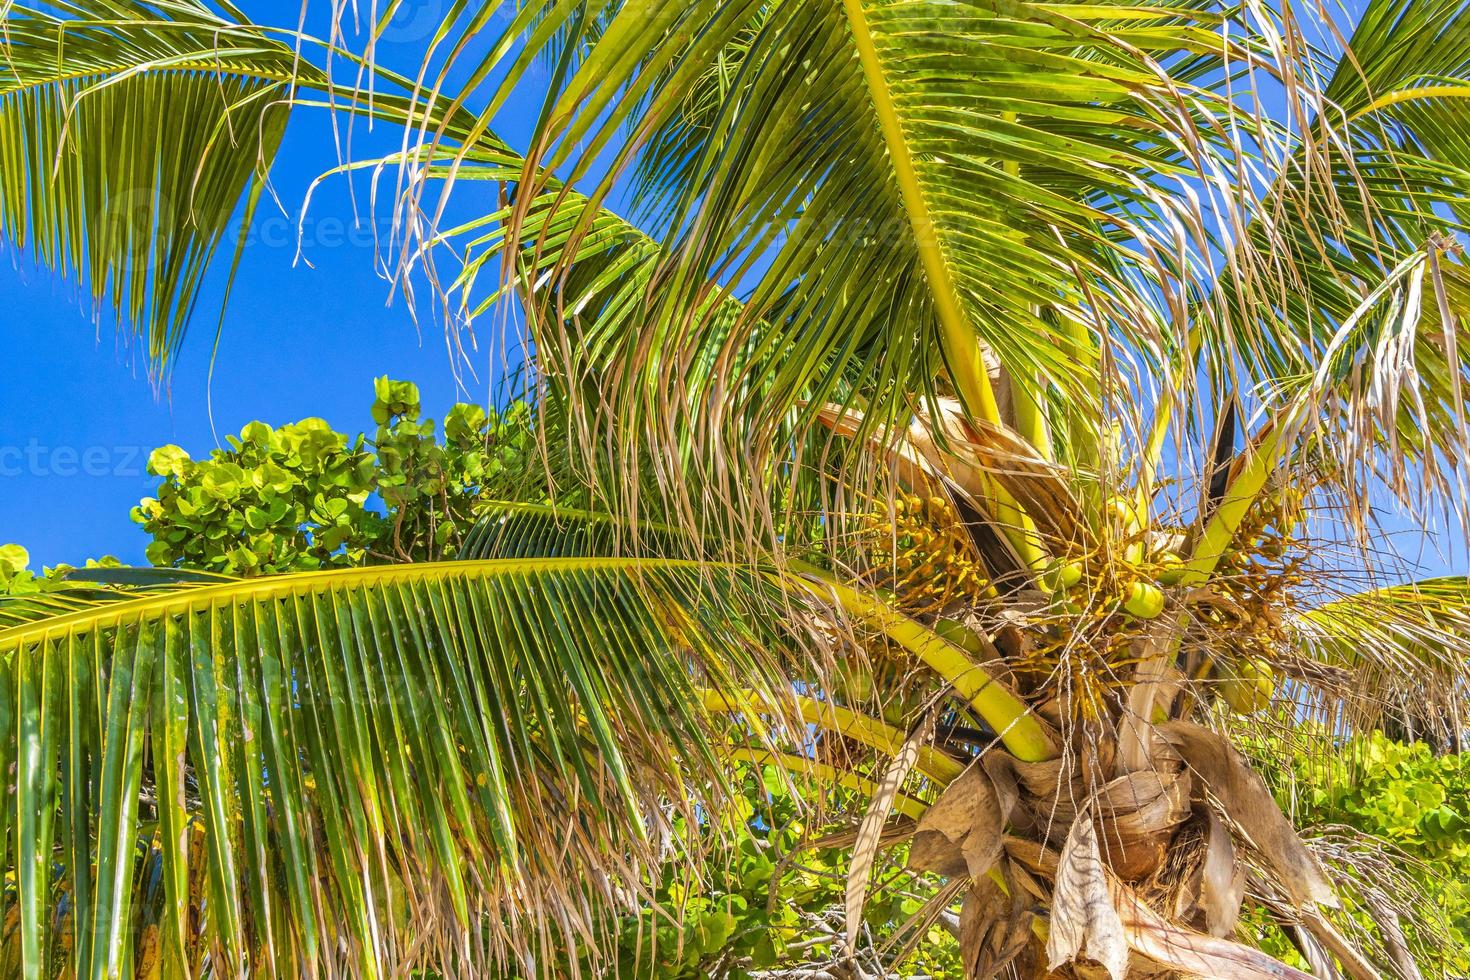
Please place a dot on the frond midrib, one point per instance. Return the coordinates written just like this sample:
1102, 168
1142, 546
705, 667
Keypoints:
966, 361
278, 586
213, 69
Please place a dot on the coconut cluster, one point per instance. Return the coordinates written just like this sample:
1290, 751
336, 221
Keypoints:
1084, 621
919, 549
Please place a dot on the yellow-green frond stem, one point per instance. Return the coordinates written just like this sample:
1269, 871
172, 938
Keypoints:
859, 727
269, 587
1153, 448
1414, 95
1255, 470
1082, 434
1018, 527
962, 351
1023, 733
1028, 387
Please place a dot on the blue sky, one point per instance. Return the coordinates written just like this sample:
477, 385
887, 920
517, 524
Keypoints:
298, 340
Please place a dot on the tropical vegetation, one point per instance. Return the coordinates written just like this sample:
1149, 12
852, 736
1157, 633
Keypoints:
775, 899
981, 420
771, 889
1396, 808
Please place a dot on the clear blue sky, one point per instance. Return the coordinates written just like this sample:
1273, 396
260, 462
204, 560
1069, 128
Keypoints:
81, 416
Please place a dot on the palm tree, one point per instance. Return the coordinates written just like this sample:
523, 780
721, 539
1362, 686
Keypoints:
986, 432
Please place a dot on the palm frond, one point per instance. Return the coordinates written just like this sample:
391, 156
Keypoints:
358, 770
1406, 649
867, 206
133, 134
510, 529
548, 531
1368, 222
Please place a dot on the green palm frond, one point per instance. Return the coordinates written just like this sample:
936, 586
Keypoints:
356, 769
509, 529
140, 137
604, 265
1405, 648
855, 205
133, 133
1431, 614
1369, 219
18, 610
769, 147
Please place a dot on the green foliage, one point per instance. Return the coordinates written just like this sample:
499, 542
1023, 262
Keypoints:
13, 561
1404, 793
303, 496
1420, 803
1412, 800
769, 903
17, 578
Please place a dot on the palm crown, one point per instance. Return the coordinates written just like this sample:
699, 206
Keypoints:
1017, 370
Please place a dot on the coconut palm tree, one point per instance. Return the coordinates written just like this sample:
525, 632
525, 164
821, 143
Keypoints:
986, 403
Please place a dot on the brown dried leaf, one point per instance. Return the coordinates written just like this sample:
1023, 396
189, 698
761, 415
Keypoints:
1050, 792
1032, 856
1137, 816
1084, 921
962, 832
1218, 884
1249, 804
895, 831
904, 460
994, 929
1353, 962
870, 832
1156, 683
1189, 952
976, 454
1391, 927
